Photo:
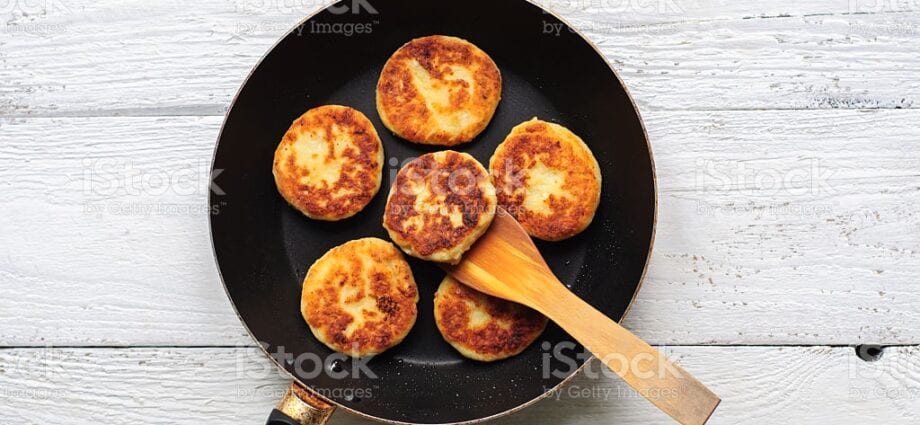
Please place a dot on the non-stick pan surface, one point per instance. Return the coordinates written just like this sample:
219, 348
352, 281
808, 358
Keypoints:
264, 247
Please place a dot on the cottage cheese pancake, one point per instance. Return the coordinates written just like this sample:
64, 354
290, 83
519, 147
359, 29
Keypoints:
482, 327
548, 179
439, 204
360, 297
438, 90
329, 163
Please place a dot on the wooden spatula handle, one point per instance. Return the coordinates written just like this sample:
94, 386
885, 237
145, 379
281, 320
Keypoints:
647, 371
505, 263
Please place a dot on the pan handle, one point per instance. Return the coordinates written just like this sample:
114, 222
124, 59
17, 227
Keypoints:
299, 406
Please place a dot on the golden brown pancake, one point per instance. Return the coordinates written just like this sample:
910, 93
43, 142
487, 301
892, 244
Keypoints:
439, 204
360, 297
438, 90
482, 327
548, 179
329, 164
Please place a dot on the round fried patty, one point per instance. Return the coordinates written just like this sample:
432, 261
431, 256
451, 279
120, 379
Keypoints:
360, 297
329, 164
439, 204
548, 179
438, 90
482, 327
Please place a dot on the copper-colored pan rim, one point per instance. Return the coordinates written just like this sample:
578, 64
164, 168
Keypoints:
545, 394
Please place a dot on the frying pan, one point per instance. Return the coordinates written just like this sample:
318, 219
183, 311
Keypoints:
263, 247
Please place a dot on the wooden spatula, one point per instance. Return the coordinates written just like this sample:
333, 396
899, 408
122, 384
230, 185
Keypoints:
505, 263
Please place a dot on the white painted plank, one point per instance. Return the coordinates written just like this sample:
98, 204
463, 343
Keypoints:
740, 263
818, 62
842, 269
758, 385
668, 11
127, 57
115, 276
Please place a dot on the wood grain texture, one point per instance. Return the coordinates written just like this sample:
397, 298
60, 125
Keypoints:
761, 385
668, 11
820, 259
129, 57
737, 96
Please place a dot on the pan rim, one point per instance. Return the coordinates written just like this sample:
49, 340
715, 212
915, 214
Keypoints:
507, 412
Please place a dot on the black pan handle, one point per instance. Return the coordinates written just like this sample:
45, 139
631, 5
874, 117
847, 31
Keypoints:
299, 406
279, 418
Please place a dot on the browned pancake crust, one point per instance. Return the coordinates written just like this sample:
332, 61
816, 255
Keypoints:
508, 330
360, 298
439, 204
403, 99
358, 156
572, 191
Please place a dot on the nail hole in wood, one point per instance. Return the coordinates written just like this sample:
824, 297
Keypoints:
869, 353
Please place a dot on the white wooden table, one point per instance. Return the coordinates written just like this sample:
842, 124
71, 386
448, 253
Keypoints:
787, 141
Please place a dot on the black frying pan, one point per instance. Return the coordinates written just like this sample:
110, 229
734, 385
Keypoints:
264, 247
